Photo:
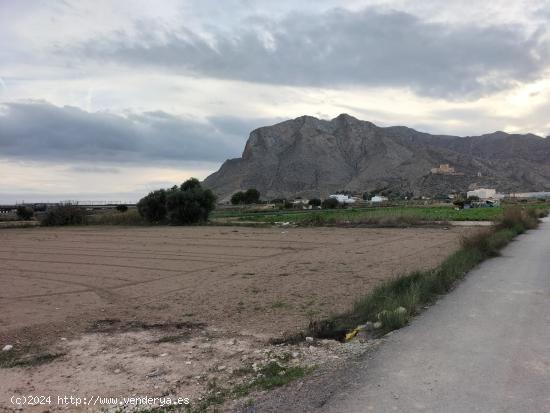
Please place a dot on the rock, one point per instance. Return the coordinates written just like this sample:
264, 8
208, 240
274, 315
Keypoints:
295, 354
377, 325
221, 368
117, 371
309, 339
7, 347
187, 362
346, 152
163, 355
369, 326
401, 310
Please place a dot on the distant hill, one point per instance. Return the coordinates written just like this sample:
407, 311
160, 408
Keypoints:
311, 157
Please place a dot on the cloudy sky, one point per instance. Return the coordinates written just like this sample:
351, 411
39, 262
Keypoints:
105, 99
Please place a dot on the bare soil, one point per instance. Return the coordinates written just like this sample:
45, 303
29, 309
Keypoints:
164, 310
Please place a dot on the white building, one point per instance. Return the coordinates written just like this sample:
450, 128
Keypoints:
530, 195
378, 198
483, 193
343, 199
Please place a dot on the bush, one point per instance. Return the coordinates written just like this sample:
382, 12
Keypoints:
190, 205
250, 196
330, 203
130, 217
65, 214
153, 206
24, 213
315, 202
237, 198
518, 219
121, 208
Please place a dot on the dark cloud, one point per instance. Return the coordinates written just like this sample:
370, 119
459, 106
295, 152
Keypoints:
343, 48
41, 131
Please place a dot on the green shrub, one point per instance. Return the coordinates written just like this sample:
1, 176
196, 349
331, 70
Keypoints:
190, 205
316, 202
24, 213
153, 206
330, 203
250, 196
65, 214
121, 208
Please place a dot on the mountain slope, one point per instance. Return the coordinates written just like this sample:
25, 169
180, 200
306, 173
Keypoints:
312, 157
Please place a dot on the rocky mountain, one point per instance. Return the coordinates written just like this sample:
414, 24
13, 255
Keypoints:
310, 157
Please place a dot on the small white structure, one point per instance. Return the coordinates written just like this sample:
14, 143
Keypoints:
378, 198
343, 199
530, 195
483, 193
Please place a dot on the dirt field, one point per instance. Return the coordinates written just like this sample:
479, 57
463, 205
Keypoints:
165, 309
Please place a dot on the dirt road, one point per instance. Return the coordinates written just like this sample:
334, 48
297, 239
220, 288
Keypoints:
483, 348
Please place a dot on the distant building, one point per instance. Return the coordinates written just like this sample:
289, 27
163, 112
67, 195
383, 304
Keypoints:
378, 198
483, 193
343, 199
445, 169
529, 195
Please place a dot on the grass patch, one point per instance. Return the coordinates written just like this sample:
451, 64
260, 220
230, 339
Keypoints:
268, 377
394, 302
401, 216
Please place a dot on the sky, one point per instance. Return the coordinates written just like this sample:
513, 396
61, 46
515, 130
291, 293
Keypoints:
107, 100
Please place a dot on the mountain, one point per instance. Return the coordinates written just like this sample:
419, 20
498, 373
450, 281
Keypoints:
310, 157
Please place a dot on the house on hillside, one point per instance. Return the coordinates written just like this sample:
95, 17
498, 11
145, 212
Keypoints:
343, 199
483, 193
445, 169
378, 198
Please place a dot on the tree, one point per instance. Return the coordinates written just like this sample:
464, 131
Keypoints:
330, 203
121, 208
191, 204
153, 206
187, 204
191, 183
252, 196
237, 198
315, 202
24, 213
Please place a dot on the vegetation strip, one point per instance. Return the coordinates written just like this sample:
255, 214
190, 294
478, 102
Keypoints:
393, 303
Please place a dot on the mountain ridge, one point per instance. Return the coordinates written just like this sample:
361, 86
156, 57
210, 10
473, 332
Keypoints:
310, 157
